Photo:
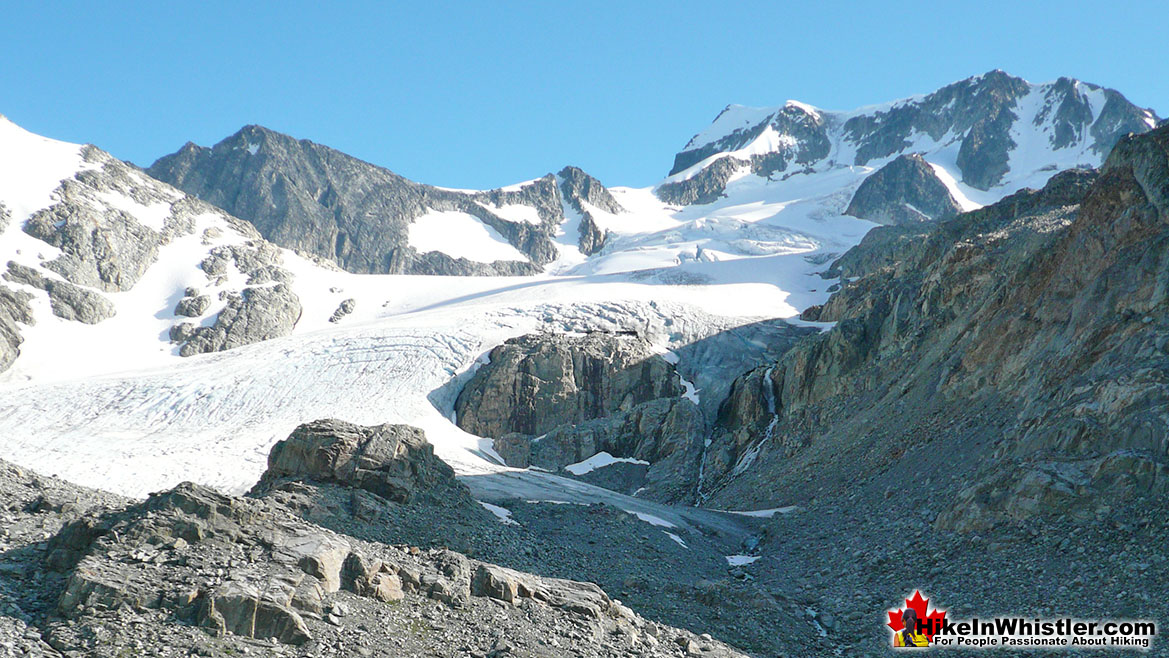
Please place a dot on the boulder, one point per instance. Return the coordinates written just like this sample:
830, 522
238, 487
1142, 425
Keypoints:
392, 461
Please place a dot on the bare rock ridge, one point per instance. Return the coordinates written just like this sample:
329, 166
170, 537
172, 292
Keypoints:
551, 400
221, 575
905, 191
309, 197
581, 192
983, 115
1026, 341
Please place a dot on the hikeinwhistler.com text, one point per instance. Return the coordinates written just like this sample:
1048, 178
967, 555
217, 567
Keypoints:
1019, 632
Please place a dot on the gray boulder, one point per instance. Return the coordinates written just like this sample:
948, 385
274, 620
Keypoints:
193, 306
393, 461
905, 191
345, 308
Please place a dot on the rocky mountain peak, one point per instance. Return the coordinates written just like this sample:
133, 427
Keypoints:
1004, 128
312, 198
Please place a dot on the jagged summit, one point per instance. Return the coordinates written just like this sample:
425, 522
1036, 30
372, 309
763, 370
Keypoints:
995, 128
368, 219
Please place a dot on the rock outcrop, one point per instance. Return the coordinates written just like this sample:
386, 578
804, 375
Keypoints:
537, 382
14, 309
392, 461
67, 300
905, 191
552, 401
258, 313
585, 194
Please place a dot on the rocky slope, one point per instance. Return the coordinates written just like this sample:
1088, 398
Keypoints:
311, 198
104, 228
190, 570
1025, 336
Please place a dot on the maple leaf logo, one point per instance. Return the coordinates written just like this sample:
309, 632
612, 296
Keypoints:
920, 606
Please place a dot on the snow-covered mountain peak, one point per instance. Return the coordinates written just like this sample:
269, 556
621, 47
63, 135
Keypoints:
1001, 130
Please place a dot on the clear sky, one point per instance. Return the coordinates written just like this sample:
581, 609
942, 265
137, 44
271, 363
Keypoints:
483, 94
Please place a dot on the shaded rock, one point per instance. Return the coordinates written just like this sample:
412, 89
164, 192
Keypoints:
707, 186
581, 191
905, 191
14, 309
536, 383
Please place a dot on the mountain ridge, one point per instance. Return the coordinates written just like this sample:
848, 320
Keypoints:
307, 196
978, 112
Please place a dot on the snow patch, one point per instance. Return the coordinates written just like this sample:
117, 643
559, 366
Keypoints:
741, 560
460, 235
654, 520
502, 513
600, 460
764, 513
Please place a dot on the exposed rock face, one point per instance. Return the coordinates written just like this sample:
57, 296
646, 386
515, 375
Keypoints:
810, 141
393, 461
193, 304
110, 254
67, 300
707, 186
259, 313
344, 308
552, 400
312, 198
982, 113
666, 432
581, 191
1024, 339
13, 309
537, 382
905, 191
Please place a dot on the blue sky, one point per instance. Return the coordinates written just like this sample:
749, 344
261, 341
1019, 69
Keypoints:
482, 94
